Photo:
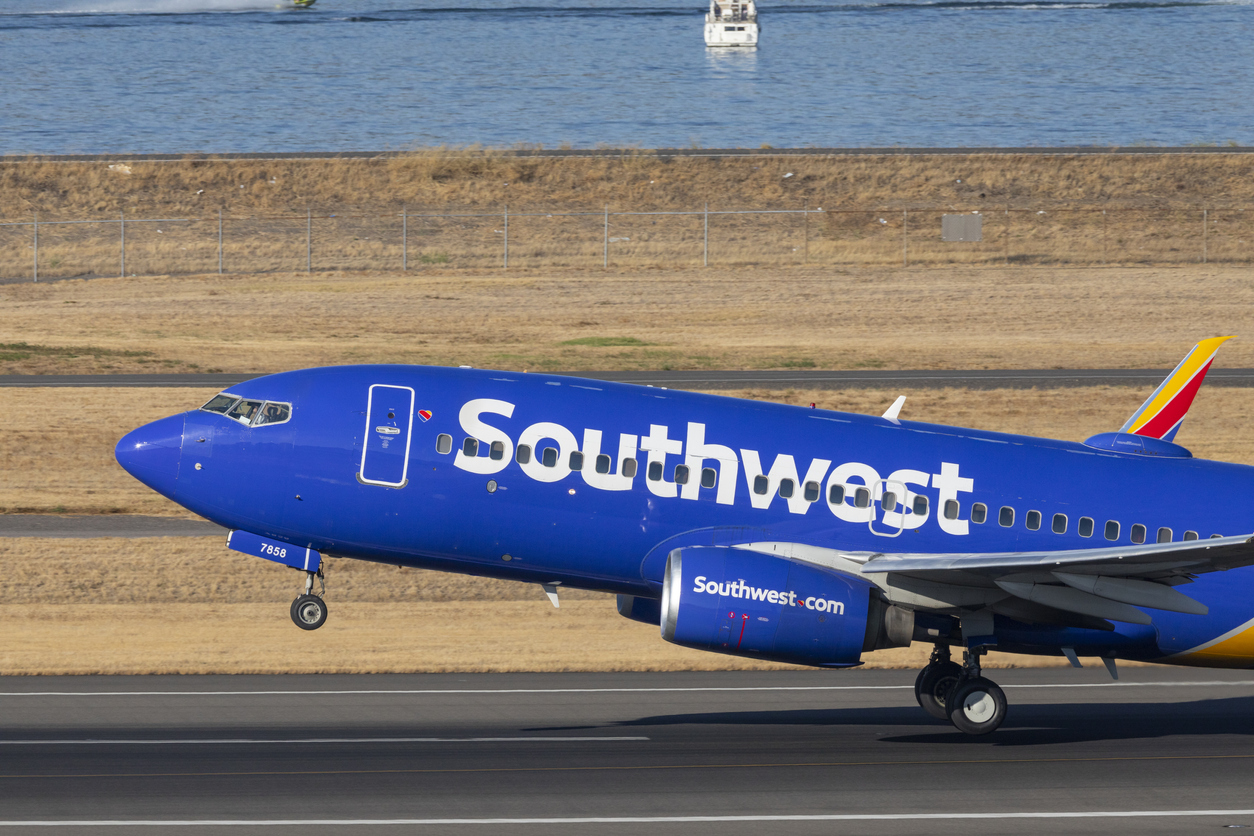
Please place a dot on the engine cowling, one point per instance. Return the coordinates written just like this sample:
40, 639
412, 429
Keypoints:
744, 603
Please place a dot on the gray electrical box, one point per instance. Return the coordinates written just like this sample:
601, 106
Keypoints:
962, 227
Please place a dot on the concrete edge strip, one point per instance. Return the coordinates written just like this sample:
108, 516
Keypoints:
455, 691
821, 817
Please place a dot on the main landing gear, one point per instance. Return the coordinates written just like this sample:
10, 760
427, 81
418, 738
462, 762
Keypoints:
959, 693
309, 611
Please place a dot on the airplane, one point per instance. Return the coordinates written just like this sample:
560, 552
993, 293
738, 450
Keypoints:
763, 530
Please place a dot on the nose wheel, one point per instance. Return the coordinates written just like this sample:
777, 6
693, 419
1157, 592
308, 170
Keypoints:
309, 611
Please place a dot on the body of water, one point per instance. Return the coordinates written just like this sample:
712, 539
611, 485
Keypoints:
132, 76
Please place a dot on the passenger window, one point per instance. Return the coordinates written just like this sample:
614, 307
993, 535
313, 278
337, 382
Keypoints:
655, 471
576, 460
244, 411
979, 513
523, 454
629, 468
443, 443
548, 457
1006, 516
1190, 535
1085, 528
920, 506
1060, 524
681, 474
273, 413
786, 487
1138, 533
952, 509
760, 485
889, 501
1164, 535
709, 477
812, 492
1112, 530
862, 498
603, 463
220, 403
836, 496
1033, 520
497, 451
470, 447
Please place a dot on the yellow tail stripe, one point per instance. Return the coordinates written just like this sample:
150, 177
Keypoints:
1193, 362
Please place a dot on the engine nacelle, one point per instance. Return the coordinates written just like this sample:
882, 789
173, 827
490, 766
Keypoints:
748, 604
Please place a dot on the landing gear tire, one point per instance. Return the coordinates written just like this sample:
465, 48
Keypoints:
309, 612
976, 706
932, 687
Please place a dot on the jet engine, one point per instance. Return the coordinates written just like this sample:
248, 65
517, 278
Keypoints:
744, 603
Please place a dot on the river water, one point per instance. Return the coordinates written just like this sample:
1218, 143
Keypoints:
133, 76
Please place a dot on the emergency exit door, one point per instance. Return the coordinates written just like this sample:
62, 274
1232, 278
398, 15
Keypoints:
389, 425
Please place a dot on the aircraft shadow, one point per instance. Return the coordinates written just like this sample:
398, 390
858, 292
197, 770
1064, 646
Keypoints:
1027, 724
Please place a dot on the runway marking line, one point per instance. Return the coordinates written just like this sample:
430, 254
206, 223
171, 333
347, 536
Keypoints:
208, 741
641, 768
819, 817
463, 691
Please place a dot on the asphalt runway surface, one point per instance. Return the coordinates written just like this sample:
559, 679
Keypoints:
1163, 750
707, 380
104, 525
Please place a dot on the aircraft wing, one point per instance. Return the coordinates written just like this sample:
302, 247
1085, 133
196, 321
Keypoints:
1087, 587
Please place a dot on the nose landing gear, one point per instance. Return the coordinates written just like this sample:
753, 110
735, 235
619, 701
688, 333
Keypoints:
309, 611
959, 693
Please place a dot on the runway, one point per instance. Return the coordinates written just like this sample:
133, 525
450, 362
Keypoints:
1161, 751
713, 380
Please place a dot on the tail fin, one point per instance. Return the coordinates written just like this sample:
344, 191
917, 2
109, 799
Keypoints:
1161, 415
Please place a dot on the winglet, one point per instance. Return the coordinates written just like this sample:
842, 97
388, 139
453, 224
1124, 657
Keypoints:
1161, 415
895, 410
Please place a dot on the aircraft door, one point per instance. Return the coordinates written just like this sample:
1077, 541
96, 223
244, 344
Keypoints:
888, 517
389, 426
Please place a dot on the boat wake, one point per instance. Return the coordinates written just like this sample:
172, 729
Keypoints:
161, 7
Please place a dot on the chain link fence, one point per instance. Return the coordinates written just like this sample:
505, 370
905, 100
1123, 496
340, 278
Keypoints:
411, 240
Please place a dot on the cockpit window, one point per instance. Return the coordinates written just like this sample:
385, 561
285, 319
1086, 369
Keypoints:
273, 413
244, 411
220, 403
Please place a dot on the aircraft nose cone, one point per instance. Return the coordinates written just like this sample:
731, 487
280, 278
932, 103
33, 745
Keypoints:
151, 453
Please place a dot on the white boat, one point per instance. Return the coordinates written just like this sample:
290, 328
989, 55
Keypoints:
731, 23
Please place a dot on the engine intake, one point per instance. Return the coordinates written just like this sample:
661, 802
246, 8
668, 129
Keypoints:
743, 603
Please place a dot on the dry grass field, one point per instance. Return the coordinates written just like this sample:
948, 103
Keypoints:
632, 319
1038, 209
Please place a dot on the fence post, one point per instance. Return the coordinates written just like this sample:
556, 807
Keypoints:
1006, 252
805, 247
1104, 256
1205, 225
404, 239
507, 236
309, 240
35, 265
606, 239
705, 258
219, 240
905, 237
122, 226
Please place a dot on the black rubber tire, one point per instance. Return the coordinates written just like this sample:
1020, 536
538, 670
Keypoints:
309, 612
977, 706
932, 687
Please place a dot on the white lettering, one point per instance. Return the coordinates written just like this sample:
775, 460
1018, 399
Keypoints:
841, 476
699, 584
784, 467
659, 446
614, 480
950, 484
566, 445
475, 428
698, 453
906, 518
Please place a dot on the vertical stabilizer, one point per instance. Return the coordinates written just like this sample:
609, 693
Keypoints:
1161, 415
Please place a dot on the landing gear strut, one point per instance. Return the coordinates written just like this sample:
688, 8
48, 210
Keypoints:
309, 611
960, 693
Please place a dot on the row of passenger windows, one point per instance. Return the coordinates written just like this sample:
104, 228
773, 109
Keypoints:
811, 491
1085, 527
